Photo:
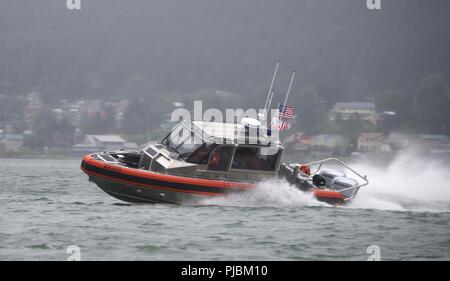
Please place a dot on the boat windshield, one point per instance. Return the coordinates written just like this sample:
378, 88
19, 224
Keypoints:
182, 141
173, 139
189, 145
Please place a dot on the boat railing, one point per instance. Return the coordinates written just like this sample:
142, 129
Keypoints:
319, 165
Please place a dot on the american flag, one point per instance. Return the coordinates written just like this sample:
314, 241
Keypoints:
287, 112
280, 120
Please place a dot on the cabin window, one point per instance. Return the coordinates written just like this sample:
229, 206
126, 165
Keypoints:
201, 155
251, 158
220, 157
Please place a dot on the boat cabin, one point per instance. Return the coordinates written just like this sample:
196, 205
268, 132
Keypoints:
215, 150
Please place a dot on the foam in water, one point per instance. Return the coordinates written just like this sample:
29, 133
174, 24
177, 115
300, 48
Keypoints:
274, 192
408, 184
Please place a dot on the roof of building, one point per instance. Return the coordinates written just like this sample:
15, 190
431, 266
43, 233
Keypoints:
401, 135
13, 137
371, 136
327, 136
434, 137
354, 105
108, 138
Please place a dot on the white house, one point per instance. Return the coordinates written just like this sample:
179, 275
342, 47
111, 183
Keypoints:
11, 142
373, 142
399, 141
344, 110
101, 142
329, 141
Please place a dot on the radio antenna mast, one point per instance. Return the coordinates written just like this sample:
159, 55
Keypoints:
266, 105
289, 89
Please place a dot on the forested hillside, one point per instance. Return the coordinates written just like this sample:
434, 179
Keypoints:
176, 50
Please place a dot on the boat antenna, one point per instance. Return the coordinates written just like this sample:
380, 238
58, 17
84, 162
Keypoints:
289, 89
269, 94
269, 103
270, 99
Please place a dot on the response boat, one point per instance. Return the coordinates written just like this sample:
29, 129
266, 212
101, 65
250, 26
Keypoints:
213, 159
201, 159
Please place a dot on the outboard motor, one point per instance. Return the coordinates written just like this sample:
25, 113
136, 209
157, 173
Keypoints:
329, 175
319, 181
339, 183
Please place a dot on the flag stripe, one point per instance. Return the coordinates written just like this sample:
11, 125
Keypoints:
286, 111
280, 121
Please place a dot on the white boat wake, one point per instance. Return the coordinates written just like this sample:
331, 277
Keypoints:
407, 184
271, 193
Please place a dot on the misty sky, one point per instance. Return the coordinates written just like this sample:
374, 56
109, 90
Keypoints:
340, 47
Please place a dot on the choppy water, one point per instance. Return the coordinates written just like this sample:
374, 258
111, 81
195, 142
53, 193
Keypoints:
47, 205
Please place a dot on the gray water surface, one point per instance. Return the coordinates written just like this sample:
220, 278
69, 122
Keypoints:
48, 205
